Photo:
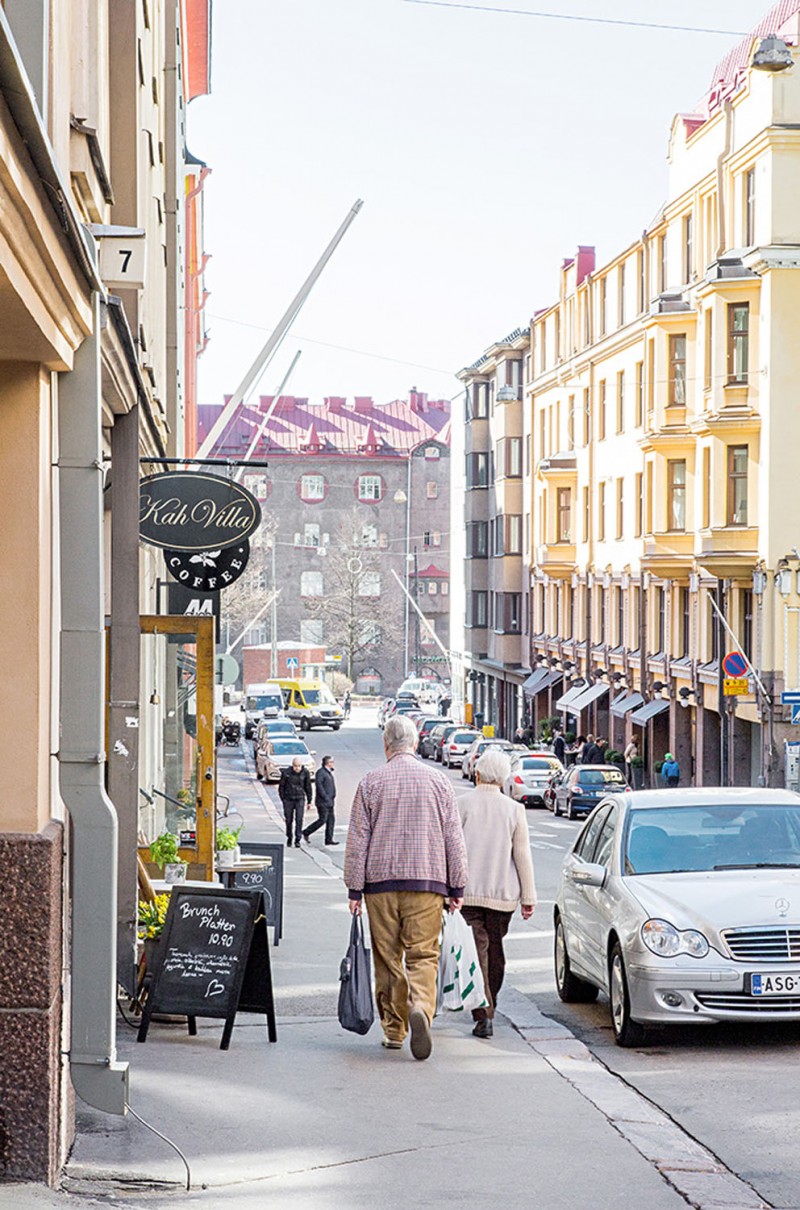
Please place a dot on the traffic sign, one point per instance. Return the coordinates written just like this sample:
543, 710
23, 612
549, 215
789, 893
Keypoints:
734, 664
796, 713
791, 697
226, 669
733, 685
292, 662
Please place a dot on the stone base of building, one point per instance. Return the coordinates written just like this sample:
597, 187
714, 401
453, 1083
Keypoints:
36, 1116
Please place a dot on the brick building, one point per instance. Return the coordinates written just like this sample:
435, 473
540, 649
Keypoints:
347, 476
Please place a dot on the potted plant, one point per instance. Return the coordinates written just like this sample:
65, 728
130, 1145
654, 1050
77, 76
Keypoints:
228, 852
637, 772
615, 758
164, 854
152, 916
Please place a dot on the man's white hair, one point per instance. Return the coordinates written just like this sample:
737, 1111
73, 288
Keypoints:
493, 767
399, 734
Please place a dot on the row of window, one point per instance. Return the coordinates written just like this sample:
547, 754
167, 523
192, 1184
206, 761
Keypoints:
499, 611
433, 588
506, 463
736, 512
369, 489
672, 627
579, 418
502, 536
587, 315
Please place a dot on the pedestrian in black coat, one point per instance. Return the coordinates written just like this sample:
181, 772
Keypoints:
559, 747
325, 801
294, 791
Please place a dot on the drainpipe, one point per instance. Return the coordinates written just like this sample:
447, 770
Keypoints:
98, 1078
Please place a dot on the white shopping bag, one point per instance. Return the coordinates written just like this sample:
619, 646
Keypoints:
460, 976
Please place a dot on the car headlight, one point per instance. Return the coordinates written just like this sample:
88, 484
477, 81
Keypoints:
664, 940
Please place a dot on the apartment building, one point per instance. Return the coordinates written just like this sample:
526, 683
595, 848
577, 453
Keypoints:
350, 484
663, 426
494, 661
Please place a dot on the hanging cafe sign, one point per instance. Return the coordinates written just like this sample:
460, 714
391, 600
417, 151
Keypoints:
208, 570
195, 512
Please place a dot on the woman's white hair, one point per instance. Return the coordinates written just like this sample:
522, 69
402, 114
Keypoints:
399, 735
493, 767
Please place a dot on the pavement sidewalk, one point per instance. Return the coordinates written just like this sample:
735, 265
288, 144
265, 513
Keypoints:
325, 1119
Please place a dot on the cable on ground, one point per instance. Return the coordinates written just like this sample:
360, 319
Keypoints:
164, 1139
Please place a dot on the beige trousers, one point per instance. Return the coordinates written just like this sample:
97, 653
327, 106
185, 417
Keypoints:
404, 927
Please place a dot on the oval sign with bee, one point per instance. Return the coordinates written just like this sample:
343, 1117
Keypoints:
208, 570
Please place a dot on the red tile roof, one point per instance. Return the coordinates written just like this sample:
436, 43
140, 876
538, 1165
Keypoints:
333, 427
729, 72
431, 572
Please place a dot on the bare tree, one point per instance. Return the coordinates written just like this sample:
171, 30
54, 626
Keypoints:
242, 602
360, 606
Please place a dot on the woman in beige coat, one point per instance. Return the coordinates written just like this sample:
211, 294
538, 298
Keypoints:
500, 873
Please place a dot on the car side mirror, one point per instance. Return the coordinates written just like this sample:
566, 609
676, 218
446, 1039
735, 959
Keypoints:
588, 874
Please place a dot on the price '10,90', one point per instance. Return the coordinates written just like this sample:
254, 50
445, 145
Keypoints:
224, 939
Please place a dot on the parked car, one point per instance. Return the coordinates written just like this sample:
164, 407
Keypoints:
455, 746
273, 728
276, 755
442, 736
430, 738
476, 749
530, 775
428, 722
583, 787
549, 792
683, 906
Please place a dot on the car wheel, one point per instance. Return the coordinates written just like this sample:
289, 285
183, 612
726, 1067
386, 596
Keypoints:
626, 1031
258, 775
570, 988
556, 809
570, 813
335, 726
305, 725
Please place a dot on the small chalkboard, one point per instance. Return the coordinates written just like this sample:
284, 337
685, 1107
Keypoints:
269, 881
206, 956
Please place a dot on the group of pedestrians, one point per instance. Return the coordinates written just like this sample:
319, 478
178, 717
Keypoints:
411, 851
294, 791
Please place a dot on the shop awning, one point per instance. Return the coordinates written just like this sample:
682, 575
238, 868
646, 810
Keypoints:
565, 702
626, 701
534, 682
552, 679
648, 711
587, 697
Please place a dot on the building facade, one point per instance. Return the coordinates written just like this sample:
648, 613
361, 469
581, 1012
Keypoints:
355, 495
91, 166
658, 428
495, 657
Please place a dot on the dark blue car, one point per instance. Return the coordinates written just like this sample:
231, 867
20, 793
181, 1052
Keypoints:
584, 786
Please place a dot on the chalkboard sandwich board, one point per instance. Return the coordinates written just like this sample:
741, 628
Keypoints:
213, 959
268, 879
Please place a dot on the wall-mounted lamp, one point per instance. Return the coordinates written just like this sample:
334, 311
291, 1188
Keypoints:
783, 581
685, 695
759, 582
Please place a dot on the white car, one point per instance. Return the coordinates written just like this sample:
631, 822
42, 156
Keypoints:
456, 745
273, 728
683, 906
530, 776
276, 755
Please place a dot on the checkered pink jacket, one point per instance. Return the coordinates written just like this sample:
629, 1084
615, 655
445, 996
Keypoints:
405, 832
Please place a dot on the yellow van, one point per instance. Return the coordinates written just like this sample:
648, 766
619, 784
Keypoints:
311, 704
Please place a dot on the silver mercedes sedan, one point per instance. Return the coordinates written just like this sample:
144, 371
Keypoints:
683, 906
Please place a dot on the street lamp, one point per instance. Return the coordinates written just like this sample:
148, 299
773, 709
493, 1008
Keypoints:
772, 55
404, 497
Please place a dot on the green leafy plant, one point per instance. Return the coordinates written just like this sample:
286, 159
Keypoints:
548, 725
569, 737
164, 850
227, 839
637, 762
658, 766
613, 757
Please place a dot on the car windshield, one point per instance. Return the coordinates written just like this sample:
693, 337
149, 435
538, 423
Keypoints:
537, 762
720, 837
464, 737
279, 729
289, 747
599, 777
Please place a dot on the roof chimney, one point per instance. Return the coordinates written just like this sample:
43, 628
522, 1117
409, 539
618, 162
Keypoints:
363, 404
586, 262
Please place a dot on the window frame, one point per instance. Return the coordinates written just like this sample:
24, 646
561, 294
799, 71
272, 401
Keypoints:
738, 346
677, 369
564, 514
377, 485
307, 497
676, 495
734, 479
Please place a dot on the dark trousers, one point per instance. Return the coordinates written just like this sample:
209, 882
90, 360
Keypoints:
293, 812
489, 927
326, 818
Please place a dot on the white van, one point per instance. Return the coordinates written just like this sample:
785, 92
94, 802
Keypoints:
261, 700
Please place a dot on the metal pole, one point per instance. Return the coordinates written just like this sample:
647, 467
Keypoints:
416, 617
406, 616
266, 418
273, 655
422, 618
275, 339
723, 730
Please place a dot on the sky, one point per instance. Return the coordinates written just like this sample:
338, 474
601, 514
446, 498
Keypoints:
486, 146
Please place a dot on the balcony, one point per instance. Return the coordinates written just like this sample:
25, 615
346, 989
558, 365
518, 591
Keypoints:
729, 551
558, 559
669, 553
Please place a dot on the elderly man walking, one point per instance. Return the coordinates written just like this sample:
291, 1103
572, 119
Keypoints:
405, 853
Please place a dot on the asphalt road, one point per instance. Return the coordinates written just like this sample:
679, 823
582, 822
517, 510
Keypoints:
735, 1089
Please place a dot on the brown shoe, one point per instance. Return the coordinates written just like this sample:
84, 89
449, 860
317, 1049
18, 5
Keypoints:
421, 1040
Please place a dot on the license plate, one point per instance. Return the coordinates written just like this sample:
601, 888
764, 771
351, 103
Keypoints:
775, 985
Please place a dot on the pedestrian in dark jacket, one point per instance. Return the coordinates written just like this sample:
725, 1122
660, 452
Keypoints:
294, 791
325, 800
559, 747
588, 753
